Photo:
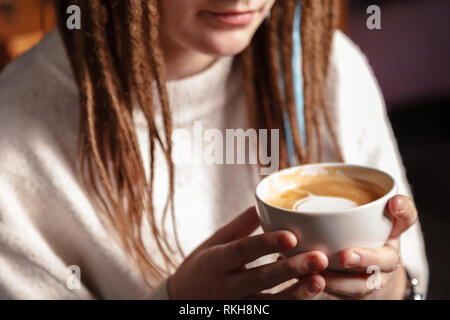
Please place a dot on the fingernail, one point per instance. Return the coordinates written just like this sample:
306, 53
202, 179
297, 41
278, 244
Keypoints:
313, 286
314, 264
400, 205
287, 241
354, 259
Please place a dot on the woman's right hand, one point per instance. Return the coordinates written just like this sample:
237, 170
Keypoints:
216, 269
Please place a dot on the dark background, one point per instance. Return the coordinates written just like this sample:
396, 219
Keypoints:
410, 57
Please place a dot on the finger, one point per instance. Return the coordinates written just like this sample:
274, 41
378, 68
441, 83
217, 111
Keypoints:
236, 254
353, 285
306, 289
385, 258
404, 213
271, 275
240, 227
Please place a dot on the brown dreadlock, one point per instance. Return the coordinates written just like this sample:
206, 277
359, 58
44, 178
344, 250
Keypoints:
114, 65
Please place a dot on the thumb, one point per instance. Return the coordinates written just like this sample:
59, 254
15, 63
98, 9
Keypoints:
404, 214
240, 227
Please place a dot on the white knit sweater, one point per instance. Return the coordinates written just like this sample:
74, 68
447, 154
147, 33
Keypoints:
48, 222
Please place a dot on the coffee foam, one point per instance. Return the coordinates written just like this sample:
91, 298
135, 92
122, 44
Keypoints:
323, 204
326, 190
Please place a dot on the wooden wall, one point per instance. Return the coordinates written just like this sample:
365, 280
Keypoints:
22, 24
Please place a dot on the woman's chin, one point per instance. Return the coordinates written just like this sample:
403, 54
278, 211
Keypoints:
227, 46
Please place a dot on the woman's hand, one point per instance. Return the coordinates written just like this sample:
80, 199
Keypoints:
353, 285
216, 270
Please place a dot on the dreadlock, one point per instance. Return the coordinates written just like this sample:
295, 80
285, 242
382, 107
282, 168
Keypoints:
114, 64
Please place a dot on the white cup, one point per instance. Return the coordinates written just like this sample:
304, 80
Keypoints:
365, 226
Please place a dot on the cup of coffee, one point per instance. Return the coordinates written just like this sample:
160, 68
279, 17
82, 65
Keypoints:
328, 206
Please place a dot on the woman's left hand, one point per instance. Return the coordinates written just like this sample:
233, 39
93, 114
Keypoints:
391, 279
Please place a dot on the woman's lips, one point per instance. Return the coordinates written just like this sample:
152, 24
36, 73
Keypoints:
231, 18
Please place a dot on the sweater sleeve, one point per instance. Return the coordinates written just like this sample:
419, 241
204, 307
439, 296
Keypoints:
50, 231
367, 138
29, 268
35, 256
52, 244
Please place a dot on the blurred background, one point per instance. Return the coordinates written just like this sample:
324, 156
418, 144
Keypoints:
410, 57
22, 25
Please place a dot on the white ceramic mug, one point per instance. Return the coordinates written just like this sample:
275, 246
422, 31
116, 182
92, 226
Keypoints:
365, 226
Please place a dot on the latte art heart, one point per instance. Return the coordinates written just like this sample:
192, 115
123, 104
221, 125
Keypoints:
323, 204
322, 192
